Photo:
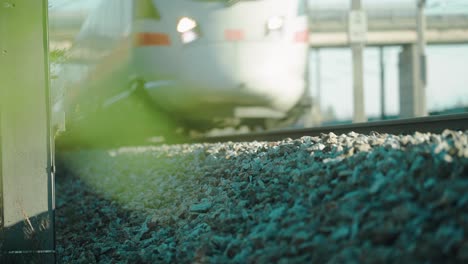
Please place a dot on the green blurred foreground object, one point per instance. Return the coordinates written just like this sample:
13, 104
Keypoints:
26, 146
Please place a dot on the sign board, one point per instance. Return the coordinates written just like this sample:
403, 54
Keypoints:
357, 29
26, 146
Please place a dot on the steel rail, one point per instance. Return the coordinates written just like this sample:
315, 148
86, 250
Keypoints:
431, 124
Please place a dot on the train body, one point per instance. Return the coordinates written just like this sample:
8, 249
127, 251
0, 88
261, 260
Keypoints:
197, 60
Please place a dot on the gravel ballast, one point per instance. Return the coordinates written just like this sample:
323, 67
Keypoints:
332, 199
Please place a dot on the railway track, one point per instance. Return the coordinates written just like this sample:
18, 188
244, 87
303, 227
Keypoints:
326, 199
431, 124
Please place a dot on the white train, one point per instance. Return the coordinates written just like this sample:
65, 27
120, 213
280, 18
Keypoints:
198, 60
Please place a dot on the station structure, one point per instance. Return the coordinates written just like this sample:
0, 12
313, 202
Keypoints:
408, 27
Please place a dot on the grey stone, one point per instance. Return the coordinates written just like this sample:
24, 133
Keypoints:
200, 207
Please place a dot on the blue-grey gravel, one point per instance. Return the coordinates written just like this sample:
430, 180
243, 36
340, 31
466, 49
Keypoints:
352, 198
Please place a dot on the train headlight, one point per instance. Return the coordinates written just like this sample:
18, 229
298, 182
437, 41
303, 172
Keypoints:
186, 24
188, 29
275, 23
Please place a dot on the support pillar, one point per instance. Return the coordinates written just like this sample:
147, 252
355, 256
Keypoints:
26, 145
411, 97
318, 89
412, 68
421, 27
357, 38
382, 82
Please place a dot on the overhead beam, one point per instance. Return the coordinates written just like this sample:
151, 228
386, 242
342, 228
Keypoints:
389, 38
336, 22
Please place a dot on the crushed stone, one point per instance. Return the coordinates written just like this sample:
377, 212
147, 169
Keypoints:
352, 198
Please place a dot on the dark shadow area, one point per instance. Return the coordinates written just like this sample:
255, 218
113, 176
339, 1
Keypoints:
29, 241
84, 218
28, 258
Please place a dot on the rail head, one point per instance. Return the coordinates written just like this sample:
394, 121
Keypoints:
430, 124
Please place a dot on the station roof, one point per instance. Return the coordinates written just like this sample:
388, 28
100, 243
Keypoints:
433, 7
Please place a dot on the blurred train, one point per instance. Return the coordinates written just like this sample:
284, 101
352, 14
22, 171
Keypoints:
203, 62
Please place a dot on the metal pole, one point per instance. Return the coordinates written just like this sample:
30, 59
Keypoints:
421, 27
382, 83
26, 148
318, 83
358, 73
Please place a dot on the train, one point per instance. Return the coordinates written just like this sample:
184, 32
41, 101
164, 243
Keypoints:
204, 63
